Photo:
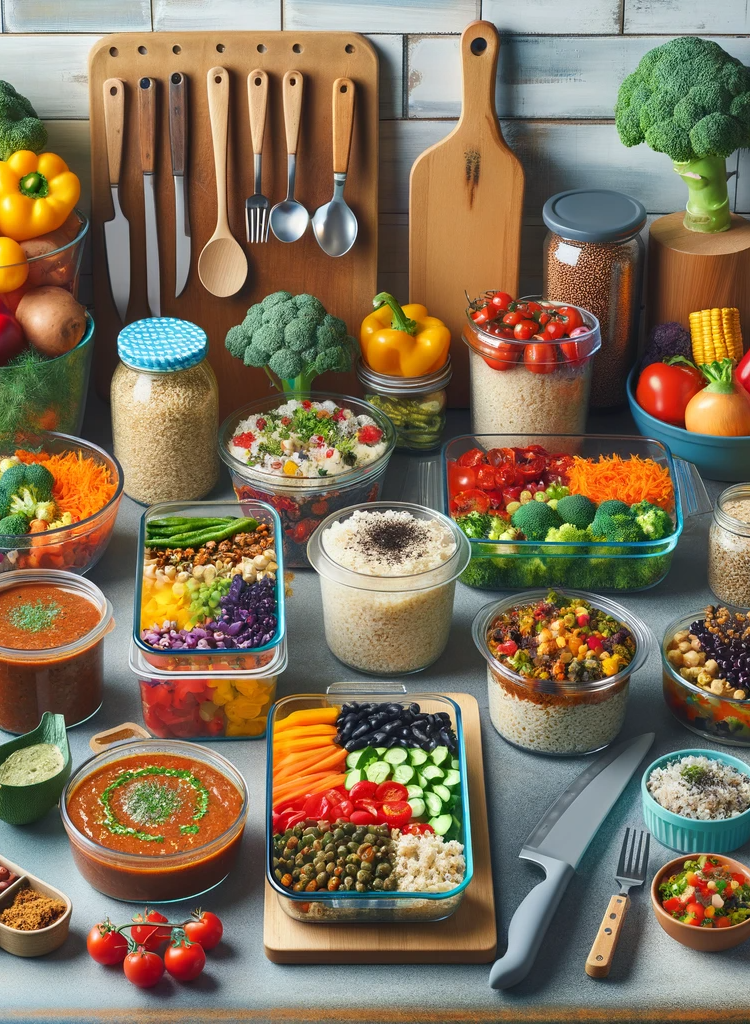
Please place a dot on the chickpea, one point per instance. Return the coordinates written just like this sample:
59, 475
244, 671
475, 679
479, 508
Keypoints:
674, 657
704, 679
683, 646
691, 658
681, 634
711, 666
739, 694
717, 686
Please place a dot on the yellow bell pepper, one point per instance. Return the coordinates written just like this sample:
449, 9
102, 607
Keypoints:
37, 193
13, 266
403, 342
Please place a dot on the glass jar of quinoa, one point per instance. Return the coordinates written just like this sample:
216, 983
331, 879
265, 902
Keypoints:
165, 411
558, 668
415, 405
729, 547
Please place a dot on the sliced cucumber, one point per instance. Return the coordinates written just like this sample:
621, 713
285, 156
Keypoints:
351, 759
417, 807
452, 779
403, 773
441, 823
414, 793
417, 755
396, 755
443, 792
439, 755
378, 771
353, 777
361, 758
455, 763
432, 772
433, 803
380, 751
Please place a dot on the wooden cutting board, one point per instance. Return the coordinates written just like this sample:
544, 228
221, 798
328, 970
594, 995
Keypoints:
469, 936
465, 206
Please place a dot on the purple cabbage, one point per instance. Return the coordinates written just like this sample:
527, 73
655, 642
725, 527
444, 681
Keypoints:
665, 340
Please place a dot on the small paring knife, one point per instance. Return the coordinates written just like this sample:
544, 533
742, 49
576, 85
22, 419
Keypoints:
178, 143
117, 230
147, 139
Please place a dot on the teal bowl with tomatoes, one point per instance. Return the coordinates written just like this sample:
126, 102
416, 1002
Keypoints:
716, 458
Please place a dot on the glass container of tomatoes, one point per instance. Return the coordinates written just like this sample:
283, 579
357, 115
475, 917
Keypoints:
530, 364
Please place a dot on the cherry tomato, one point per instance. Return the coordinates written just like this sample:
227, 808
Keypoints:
539, 358
363, 790
672, 905
418, 828
185, 959
205, 928
513, 318
396, 814
501, 300
105, 945
143, 968
573, 352
481, 316
486, 477
370, 805
525, 329
500, 330
148, 937
391, 792
543, 318
664, 391
692, 879
363, 818
472, 500
461, 478
506, 357
496, 499
722, 922
532, 307
474, 457
553, 329
570, 317
695, 913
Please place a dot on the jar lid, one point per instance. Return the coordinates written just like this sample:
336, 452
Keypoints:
404, 386
594, 215
162, 343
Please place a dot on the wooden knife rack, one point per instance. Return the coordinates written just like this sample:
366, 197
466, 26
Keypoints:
345, 285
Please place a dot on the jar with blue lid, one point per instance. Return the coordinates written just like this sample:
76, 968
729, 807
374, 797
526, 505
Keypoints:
165, 411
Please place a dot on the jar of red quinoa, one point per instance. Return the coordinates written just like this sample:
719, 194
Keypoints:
593, 257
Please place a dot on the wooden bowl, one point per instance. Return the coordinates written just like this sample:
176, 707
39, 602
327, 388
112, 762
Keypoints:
20, 805
705, 940
43, 940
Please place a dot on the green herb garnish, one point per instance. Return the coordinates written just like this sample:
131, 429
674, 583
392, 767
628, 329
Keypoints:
33, 618
695, 774
117, 828
151, 803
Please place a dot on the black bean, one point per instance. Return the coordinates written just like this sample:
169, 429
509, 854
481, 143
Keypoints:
444, 716
431, 744
390, 727
405, 733
377, 738
414, 708
419, 735
362, 728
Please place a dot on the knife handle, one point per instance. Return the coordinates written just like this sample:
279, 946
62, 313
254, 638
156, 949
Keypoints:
602, 952
530, 922
147, 124
178, 112
114, 125
257, 103
292, 88
343, 123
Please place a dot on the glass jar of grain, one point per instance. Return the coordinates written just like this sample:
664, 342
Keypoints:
729, 547
165, 411
593, 257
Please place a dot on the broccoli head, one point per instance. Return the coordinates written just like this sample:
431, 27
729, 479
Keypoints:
614, 507
653, 520
576, 509
475, 524
20, 128
14, 526
617, 528
39, 481
534, 519
568, 532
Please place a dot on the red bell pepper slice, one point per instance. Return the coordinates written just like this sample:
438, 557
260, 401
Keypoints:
370, 806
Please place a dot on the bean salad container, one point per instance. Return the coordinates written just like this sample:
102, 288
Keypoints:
593, 257
165, 411
415, 405
729, 547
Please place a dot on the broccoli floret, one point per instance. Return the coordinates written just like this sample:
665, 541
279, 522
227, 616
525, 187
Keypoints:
484, 573
534, 519
618, 528
653, 520
39, 481
568, 532
14, 526
501, 530
576, 509
20, 128
614, 507
475, 524
236, 341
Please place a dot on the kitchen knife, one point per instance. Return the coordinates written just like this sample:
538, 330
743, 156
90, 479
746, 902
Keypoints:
117, 230
557, 845
147, 137
178, 122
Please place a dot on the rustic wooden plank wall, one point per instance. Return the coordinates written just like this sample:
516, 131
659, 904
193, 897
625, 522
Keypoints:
560, 67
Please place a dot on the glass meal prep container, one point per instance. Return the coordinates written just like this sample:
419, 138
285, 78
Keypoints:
303, 502
565, 718
158, 874
722, 718
156, 590
415, 405
609, 567
323, 907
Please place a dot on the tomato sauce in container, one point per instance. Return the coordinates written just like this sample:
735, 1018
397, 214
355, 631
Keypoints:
52, 629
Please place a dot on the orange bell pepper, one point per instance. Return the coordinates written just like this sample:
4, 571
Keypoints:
403, 342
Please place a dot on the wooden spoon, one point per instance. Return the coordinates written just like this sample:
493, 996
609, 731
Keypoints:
222, 265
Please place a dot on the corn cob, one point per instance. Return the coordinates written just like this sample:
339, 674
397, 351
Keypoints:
715, 335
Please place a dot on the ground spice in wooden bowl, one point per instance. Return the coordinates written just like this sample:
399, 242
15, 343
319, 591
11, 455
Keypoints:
32, 910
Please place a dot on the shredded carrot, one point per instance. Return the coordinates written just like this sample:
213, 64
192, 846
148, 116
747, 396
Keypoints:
82, 486
631, 480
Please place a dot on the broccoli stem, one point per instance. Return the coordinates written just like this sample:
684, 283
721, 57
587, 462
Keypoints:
707, 207
399, 320
303, 382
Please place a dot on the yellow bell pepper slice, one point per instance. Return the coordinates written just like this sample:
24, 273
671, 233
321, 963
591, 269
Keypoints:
403, 341
13, 266
37, 193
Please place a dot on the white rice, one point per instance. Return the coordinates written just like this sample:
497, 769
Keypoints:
725, 794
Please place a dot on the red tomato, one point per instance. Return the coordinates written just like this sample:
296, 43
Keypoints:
499, 330
368, 804
345, 809
481, 316
501, 300
553, 329
512, 494
363, 818
672, 905
664, 391
462, 478
470, 501
525, 329
573, 352
396, 814
692, 879
511, 319
474, 457
506, 357
539, 358
184, 959
532, 307
143, 968
722, 922
106, 946
418, 828
486, 477
570, 317
205, 929
363, 790
391, 792
149, 937
695, 913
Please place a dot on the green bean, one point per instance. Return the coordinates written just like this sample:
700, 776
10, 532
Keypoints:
201, 537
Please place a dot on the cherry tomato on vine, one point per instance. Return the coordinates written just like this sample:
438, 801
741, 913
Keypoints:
511, 319
146, 934
533, 307
506, 356
525, 329
206, 929
481, 316
184, 959
539, 358
553, 329
501, 300
105, 945
143, 968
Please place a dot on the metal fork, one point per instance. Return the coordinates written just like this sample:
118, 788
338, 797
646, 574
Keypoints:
257, 206
631, 872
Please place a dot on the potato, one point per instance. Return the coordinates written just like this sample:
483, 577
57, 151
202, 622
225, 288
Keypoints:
52, 320
46, 269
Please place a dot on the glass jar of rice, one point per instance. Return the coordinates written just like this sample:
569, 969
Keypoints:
729, 547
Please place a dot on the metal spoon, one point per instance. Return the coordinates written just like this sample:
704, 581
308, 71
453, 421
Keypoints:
222, 265
289, 219
334, 224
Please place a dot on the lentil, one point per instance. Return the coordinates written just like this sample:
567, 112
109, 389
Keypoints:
729, 547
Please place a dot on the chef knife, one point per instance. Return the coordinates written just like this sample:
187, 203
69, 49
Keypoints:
557, 845
147, 136
117, 230
178, 121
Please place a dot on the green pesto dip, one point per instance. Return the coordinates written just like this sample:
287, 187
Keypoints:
29, 765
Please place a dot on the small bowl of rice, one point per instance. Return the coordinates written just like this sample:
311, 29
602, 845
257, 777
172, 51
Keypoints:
696, 800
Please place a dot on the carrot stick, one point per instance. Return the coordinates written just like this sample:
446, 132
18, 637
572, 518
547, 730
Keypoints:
303, 744
330, 761
313, 716
299, 732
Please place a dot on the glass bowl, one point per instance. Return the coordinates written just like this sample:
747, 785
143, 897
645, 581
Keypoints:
60, 266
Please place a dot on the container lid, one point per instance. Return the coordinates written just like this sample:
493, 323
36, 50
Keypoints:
162, 343
146, 670
594, 215
404, 387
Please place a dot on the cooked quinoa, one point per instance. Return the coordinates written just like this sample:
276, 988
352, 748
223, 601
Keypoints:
700, 787
426, 863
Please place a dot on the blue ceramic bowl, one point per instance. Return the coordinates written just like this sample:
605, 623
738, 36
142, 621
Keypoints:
717, 458
688, 835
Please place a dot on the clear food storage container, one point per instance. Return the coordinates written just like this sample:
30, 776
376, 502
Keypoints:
527, 386
222, 704
394, 906
301, 501
611, 566
560, 718
165, 593
729, 547
375, 622
415, 405
721, 716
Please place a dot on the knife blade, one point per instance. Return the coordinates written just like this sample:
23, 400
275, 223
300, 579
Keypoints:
557, 844
178, 122
147, 137
117, 230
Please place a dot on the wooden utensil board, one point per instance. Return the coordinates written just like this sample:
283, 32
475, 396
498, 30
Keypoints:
469, 936
344, 285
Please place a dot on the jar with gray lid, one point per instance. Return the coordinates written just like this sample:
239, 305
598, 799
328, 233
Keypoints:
593, 257
729, 547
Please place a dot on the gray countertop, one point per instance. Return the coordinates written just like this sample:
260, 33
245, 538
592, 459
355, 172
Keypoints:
653, 978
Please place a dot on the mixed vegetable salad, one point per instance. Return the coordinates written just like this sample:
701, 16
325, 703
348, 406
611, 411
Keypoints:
707, 893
